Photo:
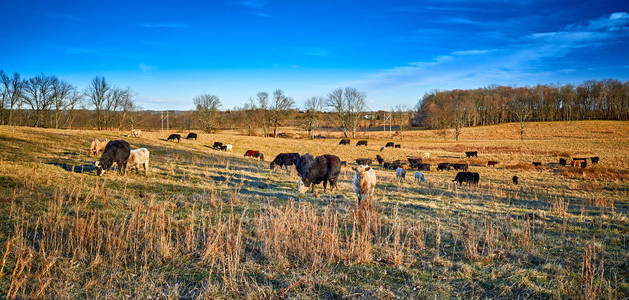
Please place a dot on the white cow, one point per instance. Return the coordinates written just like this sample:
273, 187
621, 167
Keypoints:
136, 133
426, 155
419, 177
228, 147
137, 158
364, 182
400, 174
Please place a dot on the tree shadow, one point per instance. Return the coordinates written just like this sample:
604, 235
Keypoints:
75, 168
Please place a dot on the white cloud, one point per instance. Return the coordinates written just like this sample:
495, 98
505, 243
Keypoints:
164, 25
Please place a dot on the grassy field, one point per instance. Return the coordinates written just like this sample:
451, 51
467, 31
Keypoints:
210, 224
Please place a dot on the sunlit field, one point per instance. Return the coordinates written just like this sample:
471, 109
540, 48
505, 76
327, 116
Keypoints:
211, 224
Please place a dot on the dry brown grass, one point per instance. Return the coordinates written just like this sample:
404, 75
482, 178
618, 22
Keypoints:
209, 224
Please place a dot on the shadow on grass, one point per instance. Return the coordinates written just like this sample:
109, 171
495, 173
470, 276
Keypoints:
75, 168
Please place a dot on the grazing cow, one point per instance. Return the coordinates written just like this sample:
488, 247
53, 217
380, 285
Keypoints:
563, 161
424, 167
444, 166
380, 159
251, 153
303, 162
363, 161
381, 148
463, 167
397, 146
325, 168
594, 160
515, 180
390, 145
174, 136
259, 155
426, 155
228, 147
284, 160
469, 154
492, 163
361, 143
578, 163
136, 133
419, 177
469, 177
364, 183
116, 152
217, 145
344, 142
137, 158
400, 174
223, 148
191, 135
537, 163
97, 145
414, 162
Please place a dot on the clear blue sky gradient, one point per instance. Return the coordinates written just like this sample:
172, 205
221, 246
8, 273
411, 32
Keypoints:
394, 51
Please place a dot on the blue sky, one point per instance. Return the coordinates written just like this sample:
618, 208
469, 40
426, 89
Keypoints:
394, 51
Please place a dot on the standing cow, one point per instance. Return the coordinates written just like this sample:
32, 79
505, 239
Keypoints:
137, 158
324, 168
96, 146
364, 183
116, 151
284, 159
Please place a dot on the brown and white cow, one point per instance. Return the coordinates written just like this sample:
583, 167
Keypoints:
97, 145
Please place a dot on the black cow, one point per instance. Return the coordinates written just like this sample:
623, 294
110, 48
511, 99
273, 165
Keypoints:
390, 145
303, 162
344, 163
414, 162
463, 167
515, 179
444, 166
361, 143
217, 145
284, 159
380, 159
344, 142
191, 136
324, 168
469, 177
537, 163
223, 148
563, 161
397, 146
363, 161
594, 160
424, 167
115, 151
471, 154
175, 136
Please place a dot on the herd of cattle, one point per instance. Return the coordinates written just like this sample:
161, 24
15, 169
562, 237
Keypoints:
311, 170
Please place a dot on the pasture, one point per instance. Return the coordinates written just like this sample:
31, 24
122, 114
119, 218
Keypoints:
213, 224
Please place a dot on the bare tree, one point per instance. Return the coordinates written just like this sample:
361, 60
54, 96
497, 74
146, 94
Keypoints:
349, 106
207, 110
74, 99
280, 109
521, 109
313, 106
264, 113
39, 94
98, 93
62, 92
336, 102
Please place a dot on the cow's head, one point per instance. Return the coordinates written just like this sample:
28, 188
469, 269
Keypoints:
302, 185
99, 168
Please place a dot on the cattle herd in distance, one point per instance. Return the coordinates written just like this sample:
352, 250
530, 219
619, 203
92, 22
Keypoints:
311, 170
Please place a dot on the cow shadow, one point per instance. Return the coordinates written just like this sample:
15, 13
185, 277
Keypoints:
75, 168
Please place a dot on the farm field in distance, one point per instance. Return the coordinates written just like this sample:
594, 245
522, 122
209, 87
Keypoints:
212, 224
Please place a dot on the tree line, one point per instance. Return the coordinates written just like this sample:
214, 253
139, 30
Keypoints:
591, 100
48, 101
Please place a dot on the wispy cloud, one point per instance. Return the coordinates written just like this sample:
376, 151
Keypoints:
256, 7
254, 3
62, 16
146, 68
172, 25
525, 58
